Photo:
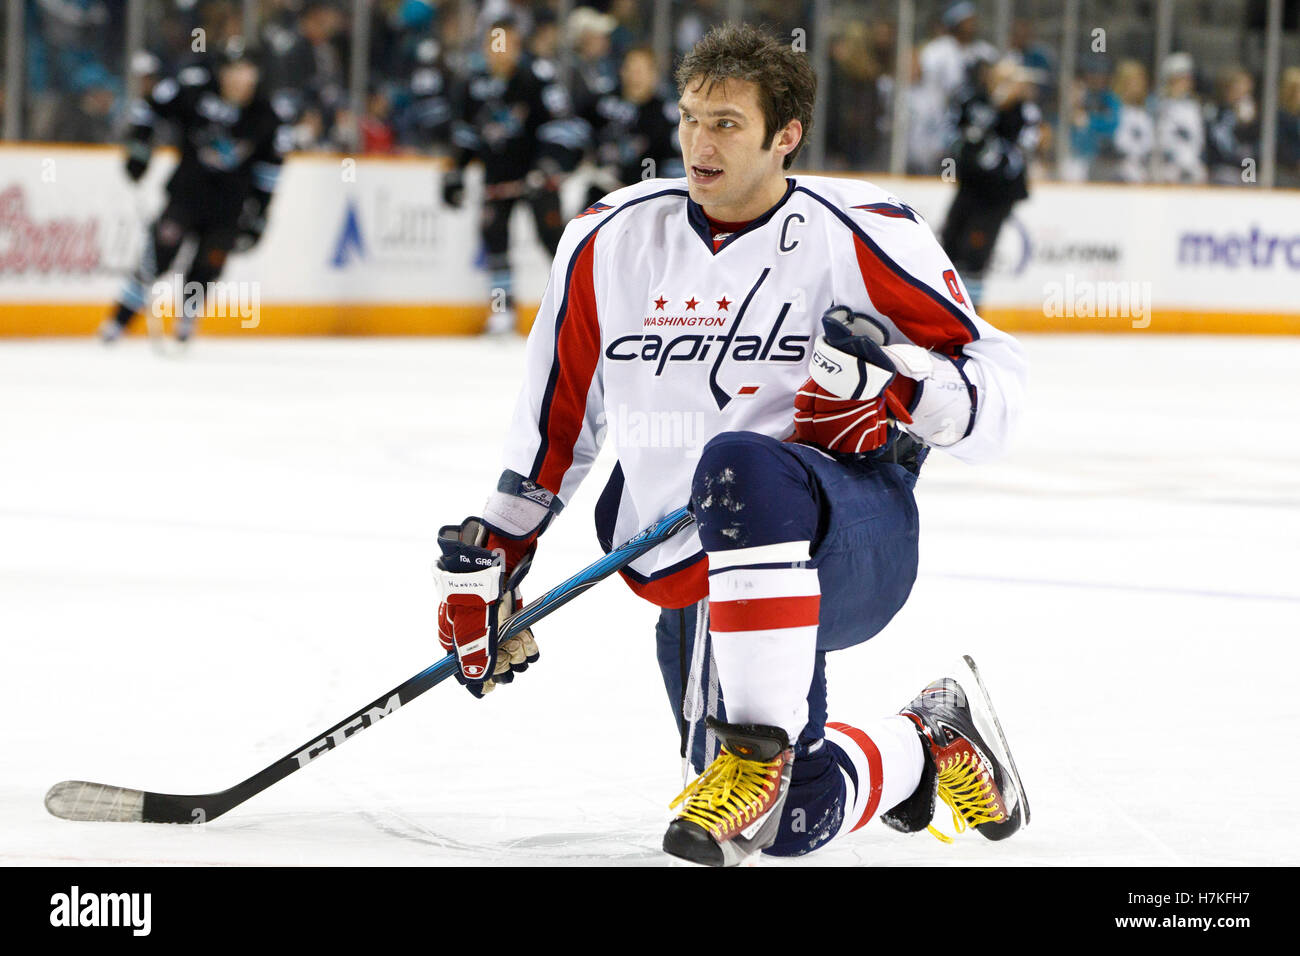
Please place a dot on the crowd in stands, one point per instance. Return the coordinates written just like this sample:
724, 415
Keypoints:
1191, 125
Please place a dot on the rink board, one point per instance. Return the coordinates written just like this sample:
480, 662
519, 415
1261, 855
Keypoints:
366, 247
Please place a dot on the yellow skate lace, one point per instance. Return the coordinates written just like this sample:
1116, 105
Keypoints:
968, 792
729, 794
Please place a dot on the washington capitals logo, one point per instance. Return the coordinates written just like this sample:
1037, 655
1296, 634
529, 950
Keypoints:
711, 349
890, 210
593, 209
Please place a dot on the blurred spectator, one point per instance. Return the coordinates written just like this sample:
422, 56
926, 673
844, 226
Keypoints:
628, 30
544, 42
1180, 128
377, 134
884, 45
854, 102
306, 71
928, 133
946, 60
594, 71
1288, 129
1135, 134
1232, 129
63, 37
1094, 116
73, 44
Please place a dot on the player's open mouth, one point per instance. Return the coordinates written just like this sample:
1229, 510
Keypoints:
705, 174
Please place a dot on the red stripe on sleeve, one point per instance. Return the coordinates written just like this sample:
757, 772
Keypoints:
680, 589
918, 316
577, 351
760, 614
869, 748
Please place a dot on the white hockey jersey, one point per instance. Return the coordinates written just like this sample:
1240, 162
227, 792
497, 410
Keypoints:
654, 336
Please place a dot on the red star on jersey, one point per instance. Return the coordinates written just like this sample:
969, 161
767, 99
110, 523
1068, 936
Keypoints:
723, 302
659, 302
692, 302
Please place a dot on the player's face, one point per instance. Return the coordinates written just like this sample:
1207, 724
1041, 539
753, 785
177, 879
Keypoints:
238, 82
639, 76
730, 167
502, 49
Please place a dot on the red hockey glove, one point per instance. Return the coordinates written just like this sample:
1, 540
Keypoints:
854, 392
475, 579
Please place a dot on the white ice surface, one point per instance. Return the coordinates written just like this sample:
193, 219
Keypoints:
205, 561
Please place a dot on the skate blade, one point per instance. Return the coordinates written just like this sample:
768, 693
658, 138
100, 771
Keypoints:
990, 728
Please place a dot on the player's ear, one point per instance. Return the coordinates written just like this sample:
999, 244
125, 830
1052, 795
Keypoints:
788, 138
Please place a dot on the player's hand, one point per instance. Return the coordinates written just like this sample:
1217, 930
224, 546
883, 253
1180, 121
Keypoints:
854, 390
547, 177
476, 580
453, 188
137, 160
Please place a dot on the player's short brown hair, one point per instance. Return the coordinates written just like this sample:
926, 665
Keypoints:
787, 85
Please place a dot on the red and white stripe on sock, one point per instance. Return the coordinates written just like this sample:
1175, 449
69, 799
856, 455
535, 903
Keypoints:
887, 757
764, 604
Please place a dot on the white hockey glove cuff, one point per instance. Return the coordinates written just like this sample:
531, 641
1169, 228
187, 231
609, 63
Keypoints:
520, 507
944, 409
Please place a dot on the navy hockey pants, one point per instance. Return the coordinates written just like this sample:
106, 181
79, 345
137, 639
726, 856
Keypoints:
861, 518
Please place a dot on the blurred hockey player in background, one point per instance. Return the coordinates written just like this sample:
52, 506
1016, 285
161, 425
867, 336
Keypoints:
782, 352
233, 144
425, 120
997, 126
513, 116
635, 128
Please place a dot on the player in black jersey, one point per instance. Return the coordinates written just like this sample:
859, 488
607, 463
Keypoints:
513, 116
424, 120
232, 146
997, 132
635, 128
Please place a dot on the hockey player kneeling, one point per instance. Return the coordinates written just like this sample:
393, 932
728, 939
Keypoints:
797, 345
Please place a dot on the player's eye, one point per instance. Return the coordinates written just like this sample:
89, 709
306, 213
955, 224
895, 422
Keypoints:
687, 117
726, 124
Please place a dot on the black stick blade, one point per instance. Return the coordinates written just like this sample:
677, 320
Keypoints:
99, 802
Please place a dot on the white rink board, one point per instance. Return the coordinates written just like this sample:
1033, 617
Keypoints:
208, 560
375, 231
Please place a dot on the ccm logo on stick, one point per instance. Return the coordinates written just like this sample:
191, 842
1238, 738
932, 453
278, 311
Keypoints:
336, 737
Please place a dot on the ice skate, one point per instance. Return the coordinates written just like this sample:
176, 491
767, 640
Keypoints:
733, 809
501, 324
184, 331
110, 330
968, 762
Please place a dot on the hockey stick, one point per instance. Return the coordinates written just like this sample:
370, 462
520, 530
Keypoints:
80, 800
153, 322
